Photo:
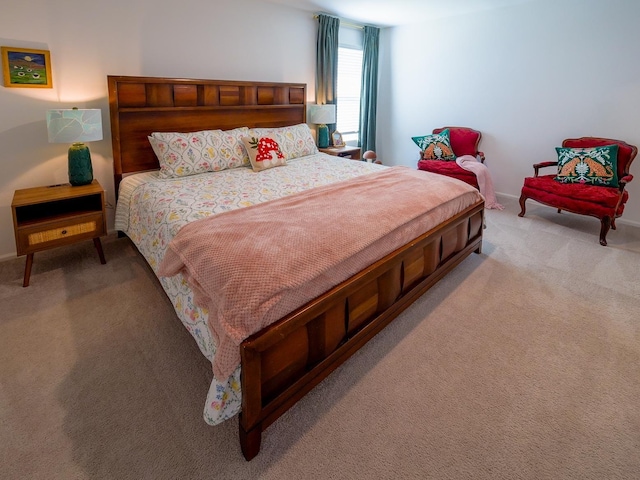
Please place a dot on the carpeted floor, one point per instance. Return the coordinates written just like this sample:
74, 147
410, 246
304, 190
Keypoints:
522, 363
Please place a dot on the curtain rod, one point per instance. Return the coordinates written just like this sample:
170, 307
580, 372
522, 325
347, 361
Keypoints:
343, 22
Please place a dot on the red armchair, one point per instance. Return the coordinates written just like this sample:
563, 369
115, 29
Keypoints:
464, 141
603, 202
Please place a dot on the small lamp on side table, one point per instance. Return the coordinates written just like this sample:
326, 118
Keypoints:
321, 115
76, 126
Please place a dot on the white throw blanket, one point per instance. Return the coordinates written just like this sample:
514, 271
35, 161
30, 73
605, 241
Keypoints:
471, 163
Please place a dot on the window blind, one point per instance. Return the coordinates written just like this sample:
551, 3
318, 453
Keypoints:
349, 88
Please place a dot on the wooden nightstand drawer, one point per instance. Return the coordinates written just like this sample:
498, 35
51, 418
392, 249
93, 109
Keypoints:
52, 234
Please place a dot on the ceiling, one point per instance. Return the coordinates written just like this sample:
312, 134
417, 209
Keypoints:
388, 13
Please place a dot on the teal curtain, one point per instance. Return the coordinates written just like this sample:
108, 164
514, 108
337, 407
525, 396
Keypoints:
369, 94
327, 61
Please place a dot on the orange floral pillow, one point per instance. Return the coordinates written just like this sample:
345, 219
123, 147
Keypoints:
264, 153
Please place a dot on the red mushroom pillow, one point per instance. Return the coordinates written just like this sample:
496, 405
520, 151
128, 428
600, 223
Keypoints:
264, 152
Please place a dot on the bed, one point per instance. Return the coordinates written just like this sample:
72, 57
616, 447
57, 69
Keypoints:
282, 361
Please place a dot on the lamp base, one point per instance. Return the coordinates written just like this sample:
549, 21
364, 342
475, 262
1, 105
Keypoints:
80, 168
323, 136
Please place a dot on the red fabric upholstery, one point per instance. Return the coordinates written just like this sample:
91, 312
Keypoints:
626, 152
605, 203
450, 169
464, 141
575, 197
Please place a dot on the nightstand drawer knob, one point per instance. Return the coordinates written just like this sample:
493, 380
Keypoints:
63, 232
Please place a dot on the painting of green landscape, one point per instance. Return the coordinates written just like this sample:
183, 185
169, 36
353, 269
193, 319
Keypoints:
26, 67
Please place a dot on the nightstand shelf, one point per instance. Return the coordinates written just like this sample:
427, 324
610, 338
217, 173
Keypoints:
49, 217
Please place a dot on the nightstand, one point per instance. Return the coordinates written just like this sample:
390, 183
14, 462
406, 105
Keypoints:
49, 217
346, 152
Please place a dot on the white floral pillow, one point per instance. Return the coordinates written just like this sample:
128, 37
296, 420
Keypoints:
229, 147
295, 141
182, 154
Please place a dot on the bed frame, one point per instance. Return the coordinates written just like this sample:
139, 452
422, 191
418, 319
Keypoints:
284, 361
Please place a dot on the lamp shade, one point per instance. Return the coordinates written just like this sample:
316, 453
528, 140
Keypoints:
74, 125
322, 114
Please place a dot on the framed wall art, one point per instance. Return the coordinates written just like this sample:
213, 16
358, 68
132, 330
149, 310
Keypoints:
26, 67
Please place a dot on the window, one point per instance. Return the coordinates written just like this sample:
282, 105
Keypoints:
349, 84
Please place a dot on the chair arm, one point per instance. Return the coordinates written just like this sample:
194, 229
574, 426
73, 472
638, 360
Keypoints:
537, 166
623, 183
480, 156
626, 179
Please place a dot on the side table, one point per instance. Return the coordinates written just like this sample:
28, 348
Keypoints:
56, 215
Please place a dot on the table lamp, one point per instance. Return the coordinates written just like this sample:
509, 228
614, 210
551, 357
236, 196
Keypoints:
321, 115
76, 126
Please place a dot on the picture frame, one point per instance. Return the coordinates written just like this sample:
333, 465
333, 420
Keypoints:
336, 139
26, 67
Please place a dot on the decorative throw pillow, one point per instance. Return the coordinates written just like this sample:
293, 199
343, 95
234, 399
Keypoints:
595, 165
295, 140
182, 154
264, 152
436, 146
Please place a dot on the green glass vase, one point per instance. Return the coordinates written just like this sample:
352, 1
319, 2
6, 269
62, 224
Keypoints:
80, 169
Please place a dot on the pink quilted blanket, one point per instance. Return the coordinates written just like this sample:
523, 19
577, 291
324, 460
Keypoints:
485, 183
252, 266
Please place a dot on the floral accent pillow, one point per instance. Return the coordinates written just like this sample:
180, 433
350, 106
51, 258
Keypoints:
436, 146
264, 152
182, 154
295, 140
595, 165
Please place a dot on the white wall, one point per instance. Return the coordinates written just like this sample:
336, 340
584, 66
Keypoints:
221, 39
527, 76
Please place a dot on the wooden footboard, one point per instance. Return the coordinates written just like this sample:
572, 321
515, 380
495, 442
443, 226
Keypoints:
283, 362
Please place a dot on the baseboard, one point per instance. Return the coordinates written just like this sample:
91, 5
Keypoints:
7, 256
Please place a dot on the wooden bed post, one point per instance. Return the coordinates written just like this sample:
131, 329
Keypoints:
250, 426
250, 441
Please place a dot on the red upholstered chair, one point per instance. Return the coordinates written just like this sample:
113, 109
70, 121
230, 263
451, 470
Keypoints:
464, 141
603, 202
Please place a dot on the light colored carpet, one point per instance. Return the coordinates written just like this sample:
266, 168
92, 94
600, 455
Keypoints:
522, 363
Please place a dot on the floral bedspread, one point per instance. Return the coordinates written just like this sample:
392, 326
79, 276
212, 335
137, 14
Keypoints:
151, 210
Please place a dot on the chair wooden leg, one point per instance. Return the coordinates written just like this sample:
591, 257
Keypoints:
604, 229
523, 198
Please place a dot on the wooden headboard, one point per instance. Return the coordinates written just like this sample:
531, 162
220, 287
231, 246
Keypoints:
141, 105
